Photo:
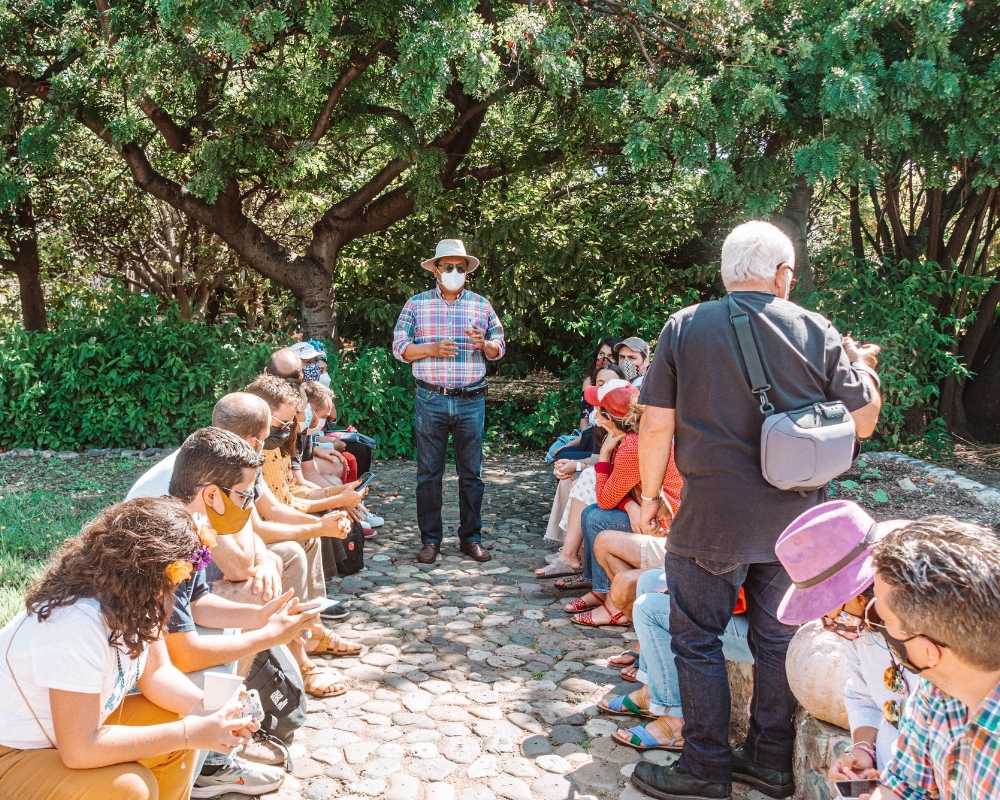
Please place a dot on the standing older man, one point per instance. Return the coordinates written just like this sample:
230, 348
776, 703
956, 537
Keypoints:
448, 334
724, 534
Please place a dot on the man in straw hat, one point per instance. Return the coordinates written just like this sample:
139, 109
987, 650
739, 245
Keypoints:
448, 333
724, 534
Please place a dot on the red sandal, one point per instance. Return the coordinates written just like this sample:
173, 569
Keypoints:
587, 618
578, 604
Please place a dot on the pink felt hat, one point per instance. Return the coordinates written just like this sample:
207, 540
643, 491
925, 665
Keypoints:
827, 552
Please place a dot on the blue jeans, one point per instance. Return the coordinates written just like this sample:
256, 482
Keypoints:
651, 617
702, 595
594, 520
435, 417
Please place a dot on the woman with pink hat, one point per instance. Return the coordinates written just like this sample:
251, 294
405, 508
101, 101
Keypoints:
827, 551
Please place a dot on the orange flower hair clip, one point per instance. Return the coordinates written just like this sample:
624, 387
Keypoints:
179, 571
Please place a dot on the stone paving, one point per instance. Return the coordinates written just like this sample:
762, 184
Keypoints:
474, 685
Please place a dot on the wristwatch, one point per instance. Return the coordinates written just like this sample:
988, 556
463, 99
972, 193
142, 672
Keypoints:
579, 466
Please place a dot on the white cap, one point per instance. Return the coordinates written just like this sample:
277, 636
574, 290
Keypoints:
306, 351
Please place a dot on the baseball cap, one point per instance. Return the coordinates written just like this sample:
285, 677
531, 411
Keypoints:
615, 396
306, 351
633, 343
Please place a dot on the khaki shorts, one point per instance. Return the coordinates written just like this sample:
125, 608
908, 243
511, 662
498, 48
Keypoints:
653, 551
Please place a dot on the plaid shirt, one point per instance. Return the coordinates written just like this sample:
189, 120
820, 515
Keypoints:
428, 318
941, 754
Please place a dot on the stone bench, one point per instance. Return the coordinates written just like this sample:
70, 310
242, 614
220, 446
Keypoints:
817, 744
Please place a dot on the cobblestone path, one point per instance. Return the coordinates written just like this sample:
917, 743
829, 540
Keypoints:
474, 684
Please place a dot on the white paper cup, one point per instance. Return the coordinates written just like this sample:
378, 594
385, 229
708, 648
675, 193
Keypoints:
220, 687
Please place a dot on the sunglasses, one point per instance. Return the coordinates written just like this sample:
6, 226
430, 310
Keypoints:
459, 268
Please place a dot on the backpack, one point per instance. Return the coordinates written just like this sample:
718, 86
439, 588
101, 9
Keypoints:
344, 556
803, 449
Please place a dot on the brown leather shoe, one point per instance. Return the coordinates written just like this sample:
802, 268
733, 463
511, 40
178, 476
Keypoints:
428, 554
475, 551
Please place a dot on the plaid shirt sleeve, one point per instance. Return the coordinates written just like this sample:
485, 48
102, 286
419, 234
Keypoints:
494, 333
910, 773
402, 334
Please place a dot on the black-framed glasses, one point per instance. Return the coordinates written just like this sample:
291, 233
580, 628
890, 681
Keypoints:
795, 277
459, 268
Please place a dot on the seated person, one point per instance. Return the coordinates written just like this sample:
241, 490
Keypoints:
91, 632
285, 403
214, 475
580, 447
577, 489
617, 507
660, 698
632, 355
812, 545
937, 605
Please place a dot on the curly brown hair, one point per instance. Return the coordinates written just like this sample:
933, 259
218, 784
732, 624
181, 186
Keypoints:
120, 559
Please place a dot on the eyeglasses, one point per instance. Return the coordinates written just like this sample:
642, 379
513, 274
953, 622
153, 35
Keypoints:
795, 278
246, 498
459, 268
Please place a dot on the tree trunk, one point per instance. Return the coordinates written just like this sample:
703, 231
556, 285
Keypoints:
26, 266
982, 399
32, 299
794, 221
319, 320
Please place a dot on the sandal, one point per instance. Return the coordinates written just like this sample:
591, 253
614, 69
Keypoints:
630, 673
318, 683
573, 584
560, 568
624, 659
329, 644
587, 618
624, 705
579, 604
641, 739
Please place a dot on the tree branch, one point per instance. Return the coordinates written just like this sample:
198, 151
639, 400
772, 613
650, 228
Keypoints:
357, 64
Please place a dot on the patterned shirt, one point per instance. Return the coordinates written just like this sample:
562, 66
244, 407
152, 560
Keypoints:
940, 753
427, 317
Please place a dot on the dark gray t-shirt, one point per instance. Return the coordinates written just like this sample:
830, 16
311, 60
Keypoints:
181, 618
729, 512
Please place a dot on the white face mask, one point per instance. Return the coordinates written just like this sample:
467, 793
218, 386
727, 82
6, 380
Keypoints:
309, 416
324, 378
453, 281
592, 418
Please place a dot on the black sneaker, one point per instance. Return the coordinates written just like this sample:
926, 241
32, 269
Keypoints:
670, 783
772, 782
334, 611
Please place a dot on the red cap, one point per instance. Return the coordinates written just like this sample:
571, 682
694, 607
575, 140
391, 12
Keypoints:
615, 397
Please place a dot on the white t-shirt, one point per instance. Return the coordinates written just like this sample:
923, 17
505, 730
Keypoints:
155, 481
69, 651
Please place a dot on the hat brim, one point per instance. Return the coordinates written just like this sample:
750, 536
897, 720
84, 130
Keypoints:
590, 396
472, 263
799, 606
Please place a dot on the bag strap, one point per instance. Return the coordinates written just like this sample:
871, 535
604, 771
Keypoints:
17, 683
740, 321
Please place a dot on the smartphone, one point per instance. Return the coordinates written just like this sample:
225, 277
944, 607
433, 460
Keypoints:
850, 790
311, 607
367, 478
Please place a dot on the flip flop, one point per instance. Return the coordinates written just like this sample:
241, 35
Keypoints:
558, 569
573, 584
624, 659
640, 739
630, 673
587, 618
623, 705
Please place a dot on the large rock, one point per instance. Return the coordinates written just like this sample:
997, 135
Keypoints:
817, 745
817, 671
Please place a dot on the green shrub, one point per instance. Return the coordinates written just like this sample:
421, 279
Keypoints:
117, 370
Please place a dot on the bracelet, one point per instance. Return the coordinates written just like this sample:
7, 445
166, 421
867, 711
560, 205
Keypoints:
648, 499
866, 748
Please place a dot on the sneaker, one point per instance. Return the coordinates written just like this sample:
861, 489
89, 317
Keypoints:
335, 610
239, 777
373, 520
265, 750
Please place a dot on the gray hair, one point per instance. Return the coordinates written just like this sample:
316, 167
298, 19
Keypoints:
753, 251
945, 579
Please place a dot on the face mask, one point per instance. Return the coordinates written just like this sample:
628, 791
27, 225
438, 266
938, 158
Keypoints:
309, 416
898, 649
320, 424
311, 372
453, 281
324, 378
629, 368
592, 417
229, 521
277, 438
